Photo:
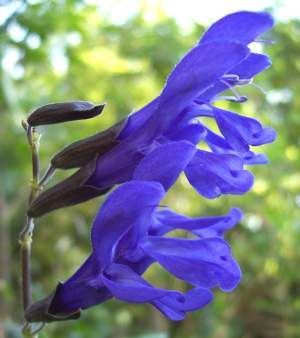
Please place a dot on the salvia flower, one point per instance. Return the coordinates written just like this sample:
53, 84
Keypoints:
186, 96
220, 61
127, 237
196, 72
146, 155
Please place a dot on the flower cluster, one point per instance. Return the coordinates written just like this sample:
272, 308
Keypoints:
127, 237
144, 155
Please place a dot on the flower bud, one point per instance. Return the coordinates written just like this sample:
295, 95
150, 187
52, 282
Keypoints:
63, 112
81, 152
70, 191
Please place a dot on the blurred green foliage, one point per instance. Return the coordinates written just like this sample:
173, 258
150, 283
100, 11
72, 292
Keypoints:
63, 50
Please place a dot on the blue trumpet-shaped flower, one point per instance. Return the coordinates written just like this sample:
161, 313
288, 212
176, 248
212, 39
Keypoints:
157, 144
219, 62
127, 237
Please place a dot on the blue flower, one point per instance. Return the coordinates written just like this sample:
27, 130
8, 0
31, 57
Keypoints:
157, 144
127, 237
161, 131
219, 62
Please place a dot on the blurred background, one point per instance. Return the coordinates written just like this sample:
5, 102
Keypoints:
120, 52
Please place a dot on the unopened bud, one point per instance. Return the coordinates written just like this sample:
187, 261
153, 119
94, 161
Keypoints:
70, 191
63, 112
81, 152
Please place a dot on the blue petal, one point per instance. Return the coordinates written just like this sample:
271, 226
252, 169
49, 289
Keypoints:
131, 203
169, 307
195, 110
202, 66
211, 226
71, 298
219, 224
241, 131
197, 298
251, 158
220, 146
204, 262
251, 65
139, 266
242, 27
175, 308
116, 166
165, 163
197, 71
84, 289
247, 69
137, 119
88, 270
128, 286
191, 132
215, 174
217, 143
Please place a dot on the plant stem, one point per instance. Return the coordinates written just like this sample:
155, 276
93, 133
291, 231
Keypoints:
25, 237
25, 244
33, 140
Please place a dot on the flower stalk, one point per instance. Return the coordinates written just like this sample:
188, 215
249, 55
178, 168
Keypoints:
25, 236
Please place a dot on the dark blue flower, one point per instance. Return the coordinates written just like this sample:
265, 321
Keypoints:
198, 70
157, 144
127, 237
220, 61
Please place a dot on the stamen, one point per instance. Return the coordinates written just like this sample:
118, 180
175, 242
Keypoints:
242, 82
237, 97
258, 87
235, 80
154, 206
230, 77
162, 206
265, 42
